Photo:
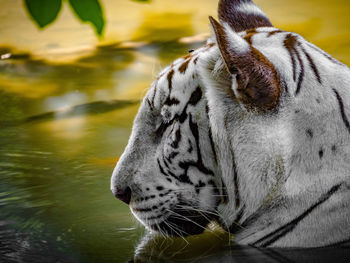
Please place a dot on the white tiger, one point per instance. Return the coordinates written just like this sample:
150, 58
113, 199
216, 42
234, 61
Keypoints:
250, 131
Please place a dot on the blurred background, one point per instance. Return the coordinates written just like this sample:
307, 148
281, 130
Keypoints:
67, 101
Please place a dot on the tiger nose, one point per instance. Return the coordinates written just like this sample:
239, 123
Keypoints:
123, 195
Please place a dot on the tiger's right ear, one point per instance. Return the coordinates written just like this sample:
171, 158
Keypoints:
256, 82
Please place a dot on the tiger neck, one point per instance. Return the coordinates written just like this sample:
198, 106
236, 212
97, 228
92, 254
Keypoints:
251, 171
263, 159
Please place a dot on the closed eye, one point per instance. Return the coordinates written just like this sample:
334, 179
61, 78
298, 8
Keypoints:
162, 127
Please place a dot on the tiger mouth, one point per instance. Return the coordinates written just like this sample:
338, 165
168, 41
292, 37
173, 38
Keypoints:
183, 223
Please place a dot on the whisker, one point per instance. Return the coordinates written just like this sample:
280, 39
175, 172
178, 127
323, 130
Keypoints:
171, 226
216, 214
197, 209
185, 218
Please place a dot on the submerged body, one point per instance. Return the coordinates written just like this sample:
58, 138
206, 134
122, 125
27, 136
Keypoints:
251, 131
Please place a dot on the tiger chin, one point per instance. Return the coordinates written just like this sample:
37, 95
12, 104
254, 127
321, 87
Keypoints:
251, 131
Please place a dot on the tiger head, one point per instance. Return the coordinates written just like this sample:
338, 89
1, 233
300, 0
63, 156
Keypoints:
168, 170
213, 139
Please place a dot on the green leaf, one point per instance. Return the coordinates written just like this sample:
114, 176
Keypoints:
43, 12
89, 11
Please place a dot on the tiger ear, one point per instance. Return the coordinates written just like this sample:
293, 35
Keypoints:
242, 15
256, 82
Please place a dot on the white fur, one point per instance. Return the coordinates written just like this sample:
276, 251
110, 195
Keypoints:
237, 43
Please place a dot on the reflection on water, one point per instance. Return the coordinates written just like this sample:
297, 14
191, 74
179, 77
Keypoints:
214, 247
156, 248
64, 123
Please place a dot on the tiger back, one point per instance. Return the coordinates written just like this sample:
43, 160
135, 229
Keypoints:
250, 131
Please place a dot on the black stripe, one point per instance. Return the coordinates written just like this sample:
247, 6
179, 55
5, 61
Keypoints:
294, 66
194, 99
342, 111
284, 84
149, 104
183, 67
170, 80
171, 101
194, 130
195, 96
182, 178
171, 156
211, 135
249, 35
155, 91
162, 127
212, 145
274, 32
195, 133
161, 168
190, 149
289, 227
200, 165
289, 44
236, 226
142, 209
235, 182
302, 72
312, 65
166, 164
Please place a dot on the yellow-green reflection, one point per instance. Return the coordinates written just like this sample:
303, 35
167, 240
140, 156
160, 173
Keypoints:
159, 248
